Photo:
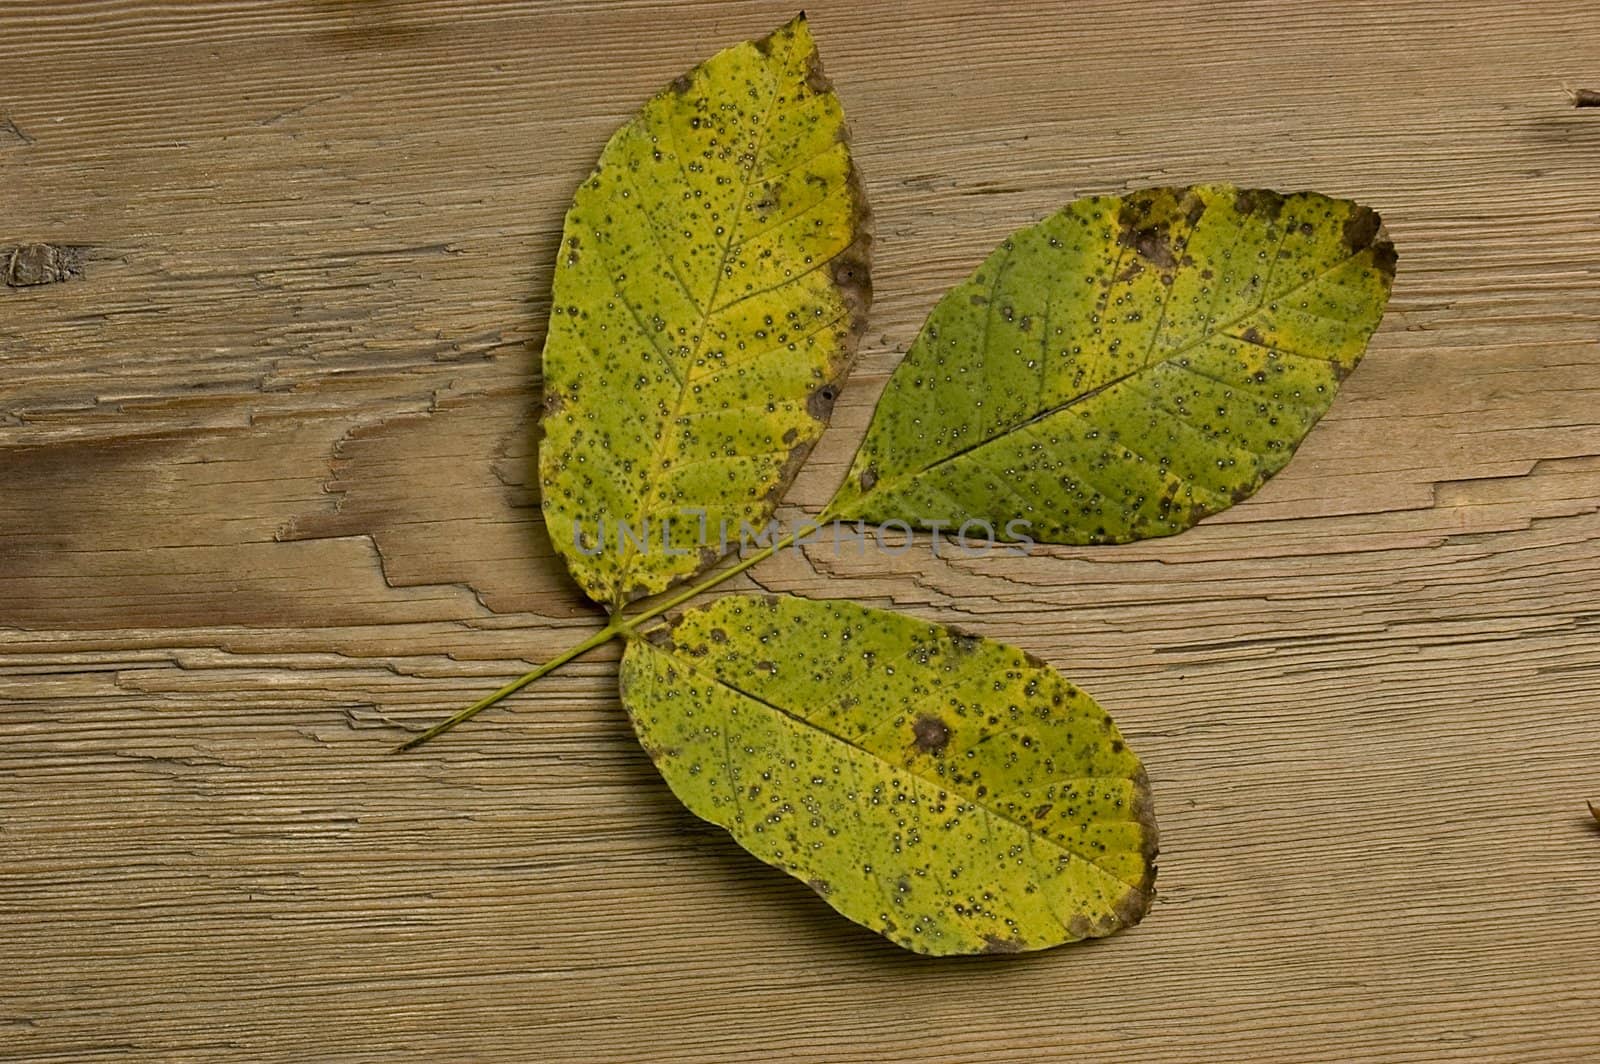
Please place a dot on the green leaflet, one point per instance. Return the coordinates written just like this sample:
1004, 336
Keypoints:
952, 793
710, 288
1127, 366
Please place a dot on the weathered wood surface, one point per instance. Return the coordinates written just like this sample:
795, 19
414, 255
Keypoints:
265, 504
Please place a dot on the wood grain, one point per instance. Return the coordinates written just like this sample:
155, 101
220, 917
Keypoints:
266, 506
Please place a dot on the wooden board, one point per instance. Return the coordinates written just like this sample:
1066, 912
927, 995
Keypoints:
265, 505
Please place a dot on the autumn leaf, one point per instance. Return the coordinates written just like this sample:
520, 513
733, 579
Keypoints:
710, 288
1127, 366
952, 793
1118, 371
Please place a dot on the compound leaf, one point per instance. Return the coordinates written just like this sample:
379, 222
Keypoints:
1127, 366
709, 292
954, 794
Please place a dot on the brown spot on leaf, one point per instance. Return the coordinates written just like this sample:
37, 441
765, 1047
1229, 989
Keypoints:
1262, 201
717, 635
852, 272
932, 734
1361, 229
1132, 906
1150, 242
816, 80
995, 944
1384, 256
965, 642
869, 477
1078, 926
848, 272
791, 466
819, 404
1239, 494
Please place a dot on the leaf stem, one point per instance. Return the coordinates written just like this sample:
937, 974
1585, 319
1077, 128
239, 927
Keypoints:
604, 635
627, 627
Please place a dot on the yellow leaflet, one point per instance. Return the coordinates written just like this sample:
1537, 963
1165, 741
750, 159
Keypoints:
951, 793
1127, 366
710, 288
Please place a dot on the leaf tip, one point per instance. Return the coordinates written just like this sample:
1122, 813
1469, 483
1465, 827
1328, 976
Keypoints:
1594, 811
797, 29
